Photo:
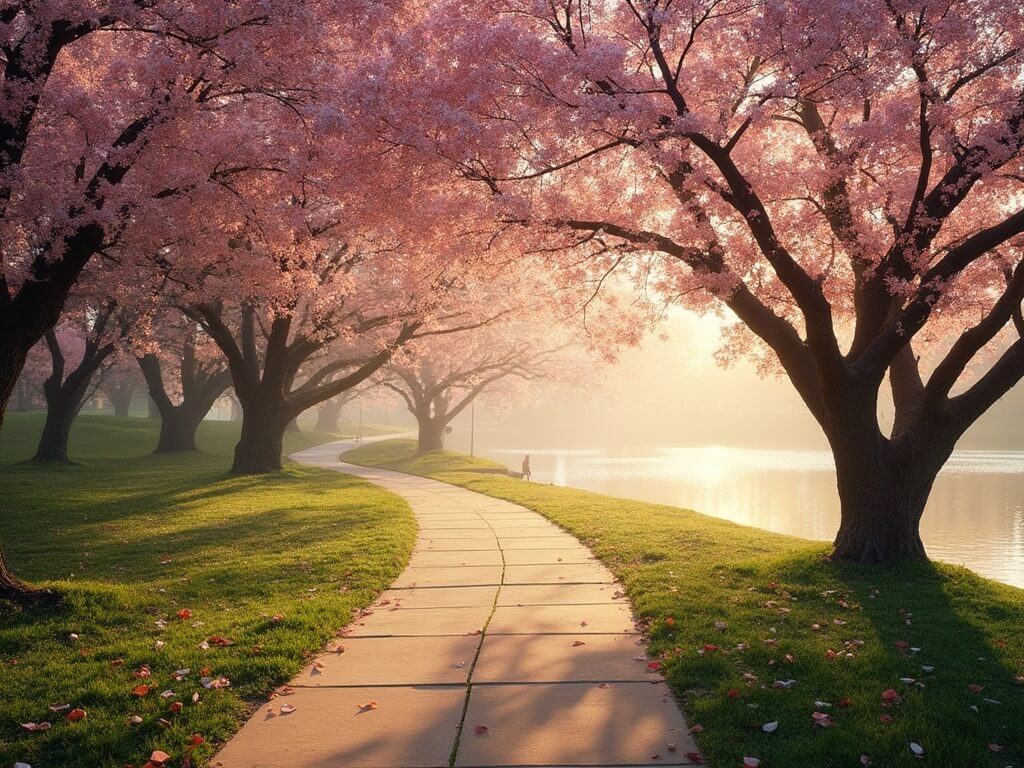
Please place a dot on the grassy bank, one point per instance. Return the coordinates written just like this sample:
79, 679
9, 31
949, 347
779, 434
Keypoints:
272, 564
922, 654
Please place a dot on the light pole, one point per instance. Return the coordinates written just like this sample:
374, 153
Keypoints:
472, 428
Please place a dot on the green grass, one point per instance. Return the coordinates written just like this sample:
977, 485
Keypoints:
684, 572
307, 544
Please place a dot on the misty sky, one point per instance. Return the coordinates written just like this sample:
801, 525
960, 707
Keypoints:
673, 392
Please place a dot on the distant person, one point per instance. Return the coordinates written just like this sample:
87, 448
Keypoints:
526, 467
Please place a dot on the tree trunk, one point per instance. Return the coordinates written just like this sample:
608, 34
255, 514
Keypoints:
154, 411
22, 323
880, 514
121, 396
16, 591
60, 414
883, 489
431, 435
237, 411
65, 397
178, 430
200, 390
24, 396
328, 415
13, 351
259, 448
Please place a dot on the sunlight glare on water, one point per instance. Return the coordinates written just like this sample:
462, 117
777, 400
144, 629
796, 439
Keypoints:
975, 516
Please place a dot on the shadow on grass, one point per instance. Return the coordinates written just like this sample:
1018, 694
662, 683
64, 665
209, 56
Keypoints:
845, 634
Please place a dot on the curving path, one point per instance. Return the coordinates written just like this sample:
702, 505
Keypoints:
504, 643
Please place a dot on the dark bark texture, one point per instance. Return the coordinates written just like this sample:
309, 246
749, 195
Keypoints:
264, 371
66, 395
260, 445
328, 415
430, 434
201, 384
121, 394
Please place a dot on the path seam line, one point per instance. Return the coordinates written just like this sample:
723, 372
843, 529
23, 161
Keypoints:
483, 634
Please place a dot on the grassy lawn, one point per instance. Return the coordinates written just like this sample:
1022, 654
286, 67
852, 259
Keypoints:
274, 564
732, 610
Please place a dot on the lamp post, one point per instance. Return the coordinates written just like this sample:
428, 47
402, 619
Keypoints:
472, 429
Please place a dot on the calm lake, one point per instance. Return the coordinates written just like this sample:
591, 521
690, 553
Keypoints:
975, 516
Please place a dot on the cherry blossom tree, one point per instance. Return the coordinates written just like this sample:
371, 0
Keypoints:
308, 281
328, 413
342, 318
111, 111
843, 180
185, 375
120, 383
88, 346
437, 379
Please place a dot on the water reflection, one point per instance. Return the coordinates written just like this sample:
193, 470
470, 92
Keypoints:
975, 516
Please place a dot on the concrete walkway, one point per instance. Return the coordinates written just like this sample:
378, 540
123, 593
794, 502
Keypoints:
504, 643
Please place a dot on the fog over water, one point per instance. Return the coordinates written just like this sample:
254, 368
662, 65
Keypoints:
668, 425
